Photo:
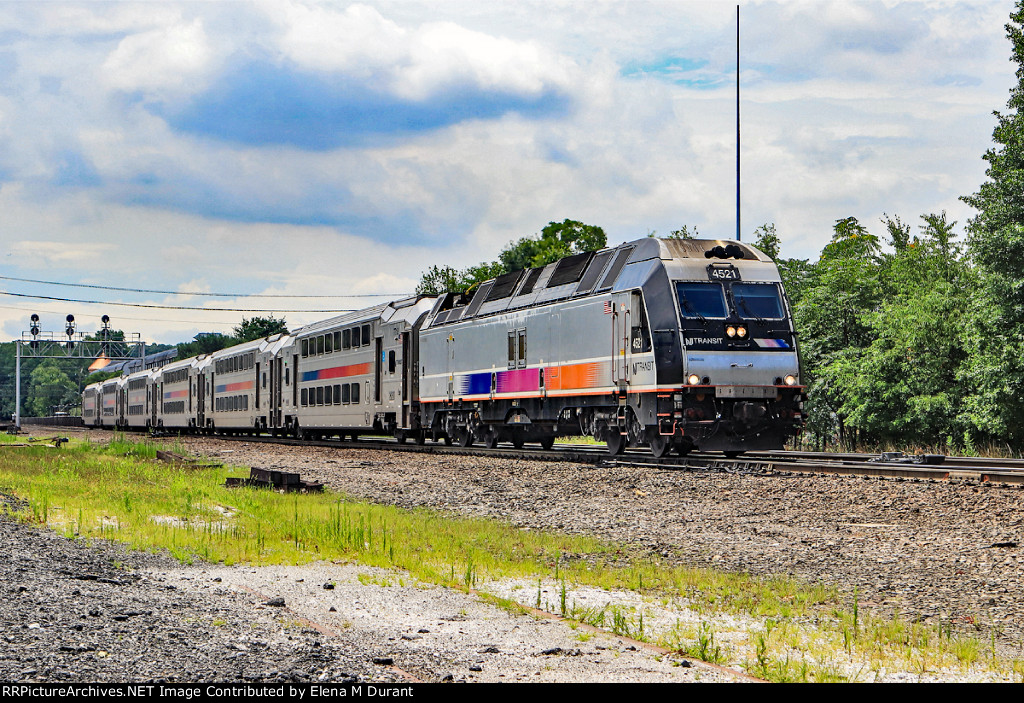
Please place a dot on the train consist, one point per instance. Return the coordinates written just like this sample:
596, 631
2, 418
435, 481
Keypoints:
669, 344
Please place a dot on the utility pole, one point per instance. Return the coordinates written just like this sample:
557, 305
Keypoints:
739, 236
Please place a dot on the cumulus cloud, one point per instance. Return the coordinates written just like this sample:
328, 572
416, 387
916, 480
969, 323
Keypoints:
168, 58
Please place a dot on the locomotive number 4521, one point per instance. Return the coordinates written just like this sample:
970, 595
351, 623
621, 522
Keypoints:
728, 272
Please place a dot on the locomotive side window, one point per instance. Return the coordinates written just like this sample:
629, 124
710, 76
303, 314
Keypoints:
366, 335
328, 343
697, 300
305, 348
346, 339
757, 300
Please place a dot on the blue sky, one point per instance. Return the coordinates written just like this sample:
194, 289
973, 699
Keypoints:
342, 148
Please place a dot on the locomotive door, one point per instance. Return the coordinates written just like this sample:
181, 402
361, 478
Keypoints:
620, 343
449, 366
151, 400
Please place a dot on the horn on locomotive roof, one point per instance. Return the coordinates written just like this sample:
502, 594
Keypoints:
730, 251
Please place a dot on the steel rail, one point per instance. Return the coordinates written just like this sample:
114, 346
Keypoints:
983, 471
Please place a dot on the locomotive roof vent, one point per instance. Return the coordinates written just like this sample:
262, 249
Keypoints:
730, 251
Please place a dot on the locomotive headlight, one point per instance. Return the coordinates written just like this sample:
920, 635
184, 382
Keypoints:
791, 380
730, 331
693, 379
741, 332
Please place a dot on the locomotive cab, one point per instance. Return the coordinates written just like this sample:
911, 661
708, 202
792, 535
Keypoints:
734, 376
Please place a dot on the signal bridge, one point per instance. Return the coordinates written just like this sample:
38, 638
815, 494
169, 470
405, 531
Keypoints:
39, 344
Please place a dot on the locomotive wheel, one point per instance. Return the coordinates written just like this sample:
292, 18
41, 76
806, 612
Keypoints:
616, 441
491, 439
518, 440
402, 437
420, 438
464, 437
547, 441
660, 446
684, 448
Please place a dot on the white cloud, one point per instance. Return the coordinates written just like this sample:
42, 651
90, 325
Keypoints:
418, 61
44, 255
172, 57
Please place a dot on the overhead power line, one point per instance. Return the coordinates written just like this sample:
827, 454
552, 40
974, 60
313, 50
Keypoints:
162, 307
211, 295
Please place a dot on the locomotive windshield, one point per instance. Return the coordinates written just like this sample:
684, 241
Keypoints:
701, 300
757, 300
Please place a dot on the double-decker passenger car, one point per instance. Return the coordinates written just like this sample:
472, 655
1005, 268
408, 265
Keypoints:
356, 373
139, 400
91, 404
112, 402
175, 392
232, 376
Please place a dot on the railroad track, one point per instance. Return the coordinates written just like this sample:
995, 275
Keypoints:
1006, 472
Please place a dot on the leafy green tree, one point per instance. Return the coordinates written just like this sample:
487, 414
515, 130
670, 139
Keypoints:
995, 371
903, 387
899, 233
767, 240
50, 389
260, 327
684, 233
1000, 200
205, 343
557, 240
438, 279
830, 316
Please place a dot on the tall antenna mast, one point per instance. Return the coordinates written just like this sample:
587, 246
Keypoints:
739, 237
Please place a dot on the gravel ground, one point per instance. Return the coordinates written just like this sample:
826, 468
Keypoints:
930, 550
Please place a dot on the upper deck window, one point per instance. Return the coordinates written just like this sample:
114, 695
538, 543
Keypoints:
757, 300
698, 300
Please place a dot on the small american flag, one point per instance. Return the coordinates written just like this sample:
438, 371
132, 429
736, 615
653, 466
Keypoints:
607, 307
